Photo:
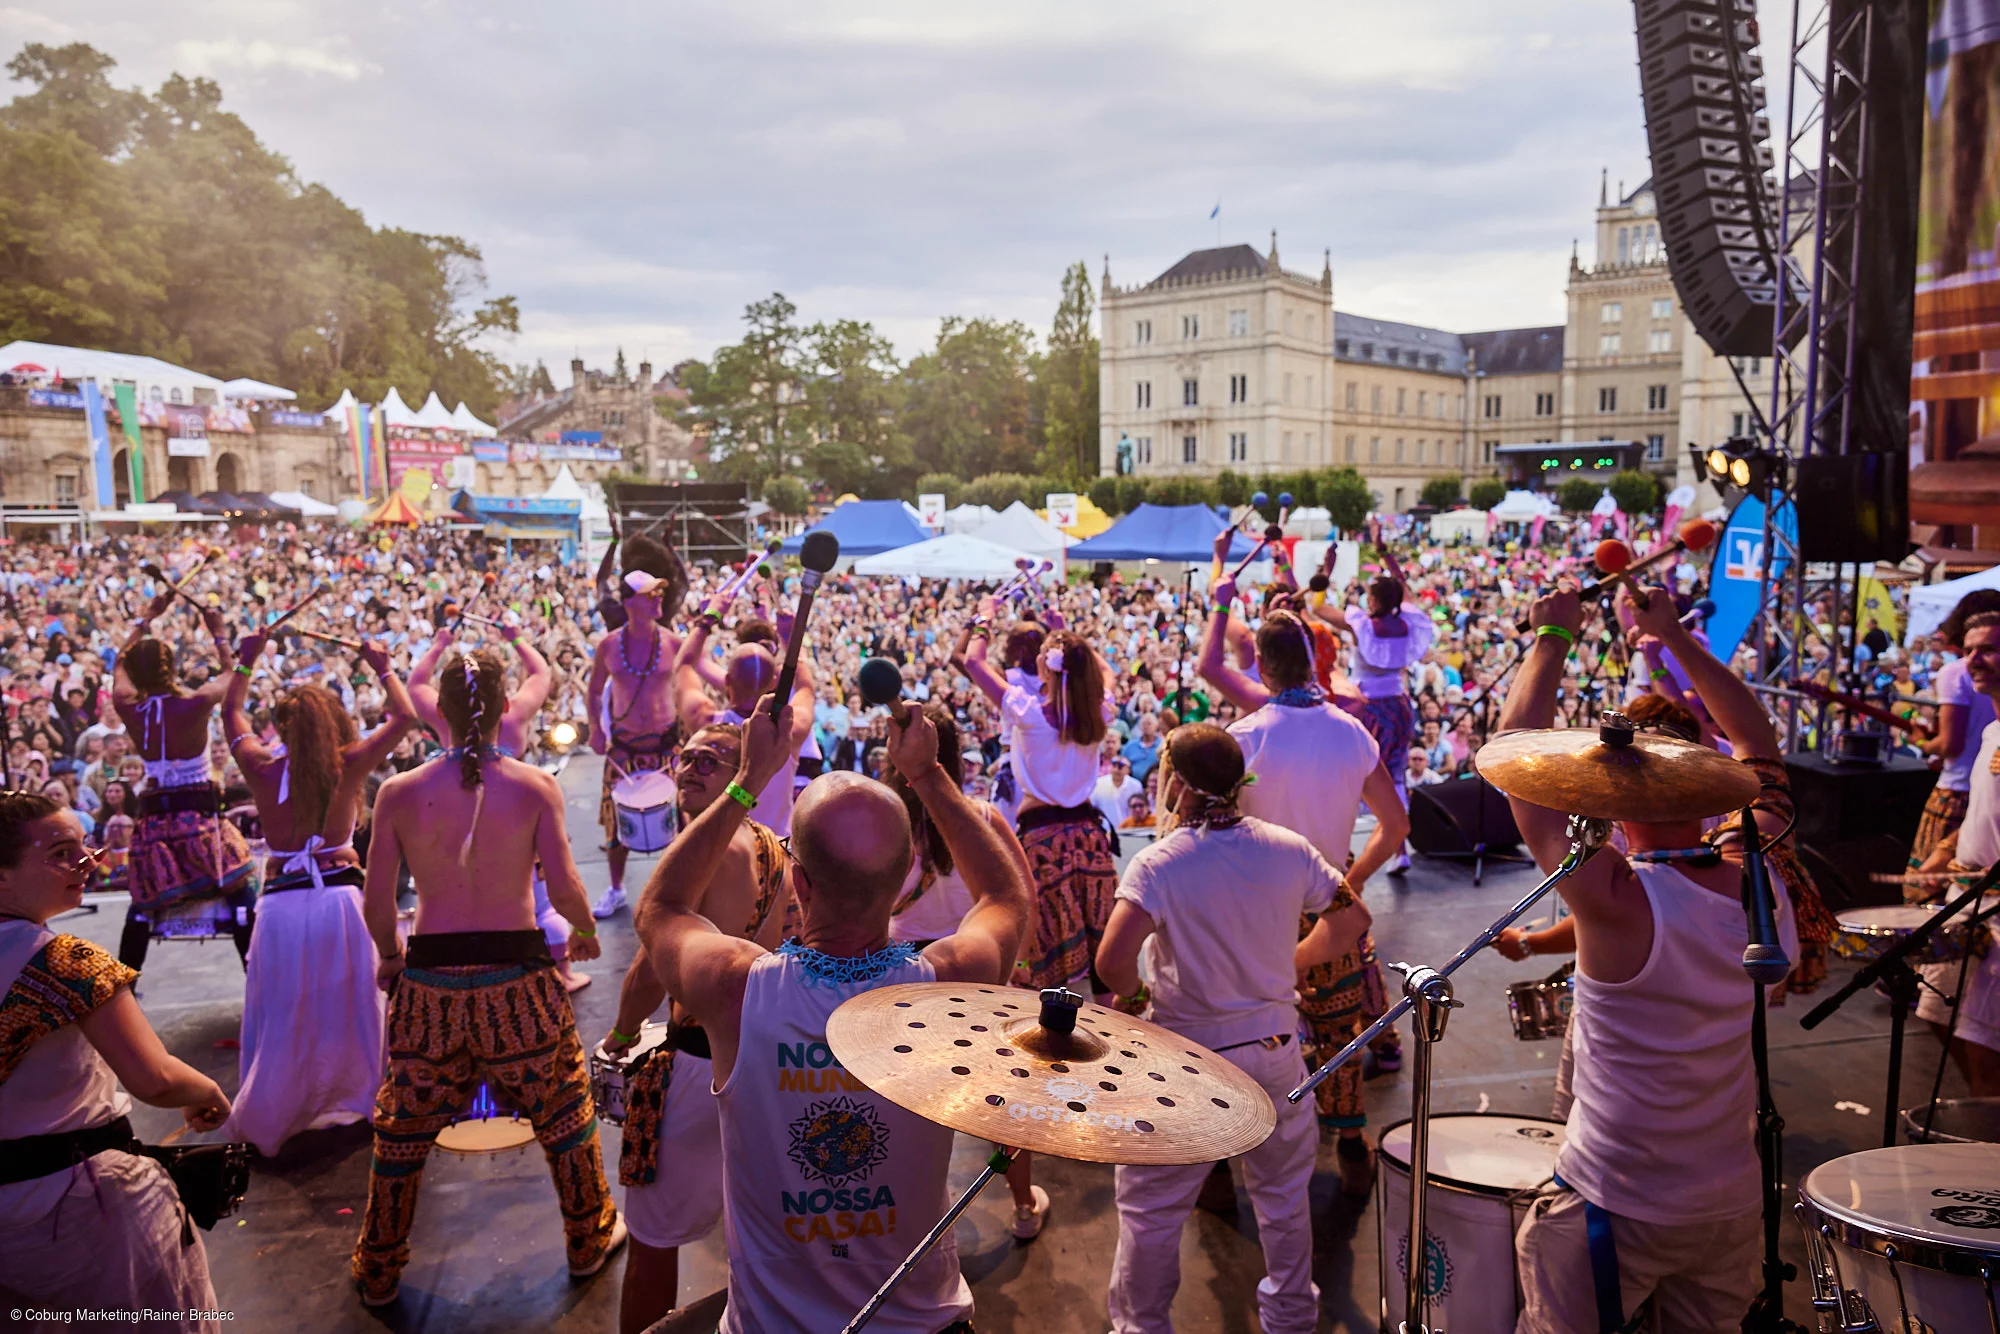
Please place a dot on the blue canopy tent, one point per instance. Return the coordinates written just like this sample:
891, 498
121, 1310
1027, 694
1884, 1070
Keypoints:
530, 518
865, 528
1162, 532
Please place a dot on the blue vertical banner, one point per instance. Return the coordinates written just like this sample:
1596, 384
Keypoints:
1735, 572
100, 443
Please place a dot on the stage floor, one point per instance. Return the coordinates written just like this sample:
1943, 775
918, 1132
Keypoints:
488, 1239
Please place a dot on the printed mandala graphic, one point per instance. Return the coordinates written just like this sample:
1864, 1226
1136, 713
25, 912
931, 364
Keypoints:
838, 1140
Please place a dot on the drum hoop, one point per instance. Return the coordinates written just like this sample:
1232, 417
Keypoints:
1511, 1194
1872, 1237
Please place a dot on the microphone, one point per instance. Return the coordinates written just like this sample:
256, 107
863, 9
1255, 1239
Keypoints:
882, 685
1700, 611
817, 554
1763, 958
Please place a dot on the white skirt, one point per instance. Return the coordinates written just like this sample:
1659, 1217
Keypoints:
312, 1019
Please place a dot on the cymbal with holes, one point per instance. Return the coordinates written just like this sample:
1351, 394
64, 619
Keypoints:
1648, 779
1117, 1090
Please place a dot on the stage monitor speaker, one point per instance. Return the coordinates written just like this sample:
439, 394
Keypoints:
1445, 818
1700, 78
1854, 507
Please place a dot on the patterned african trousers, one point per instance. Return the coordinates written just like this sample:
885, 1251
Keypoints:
1075, 879
179, 856
1336, 1001
450, 1029
1392, 721
1943, 813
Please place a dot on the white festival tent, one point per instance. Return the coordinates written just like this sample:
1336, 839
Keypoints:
1021, 529
256, 391
395, 412
462, 419
1458, 523
969, 518
1521, 506
435, 414
154, 380
1930, 604
953, 556
305, 504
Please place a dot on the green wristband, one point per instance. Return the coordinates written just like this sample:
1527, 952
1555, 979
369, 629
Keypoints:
622, 1039
241, 670
588, 932
1567, 637
740, 794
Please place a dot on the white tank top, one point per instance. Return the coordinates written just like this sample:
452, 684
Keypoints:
826, 1187
937, 912
1663, 1127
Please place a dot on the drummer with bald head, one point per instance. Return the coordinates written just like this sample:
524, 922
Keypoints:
749, 671
1660, 1147
827, 1185
1212, 905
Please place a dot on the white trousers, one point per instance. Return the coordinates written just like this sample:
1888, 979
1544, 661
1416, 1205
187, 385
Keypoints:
1154, 1202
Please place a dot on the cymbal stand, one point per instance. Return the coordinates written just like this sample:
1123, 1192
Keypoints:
995, 1166
1427, 991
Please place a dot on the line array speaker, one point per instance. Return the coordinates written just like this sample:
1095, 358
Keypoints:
1702, 83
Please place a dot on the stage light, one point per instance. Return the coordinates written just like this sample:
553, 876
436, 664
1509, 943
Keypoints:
563, 735
1742, 463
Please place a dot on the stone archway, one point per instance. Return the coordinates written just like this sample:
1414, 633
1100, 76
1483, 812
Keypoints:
180, 473
229, 473
121, 478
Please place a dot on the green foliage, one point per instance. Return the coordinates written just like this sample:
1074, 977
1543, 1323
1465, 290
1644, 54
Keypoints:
1131, 494
161, 225
967, 409
1441, 493
786, 495
1104, 495
1347, 498
1578, 495
1001, 489
1179, 491
1304, 489
1231, 488
618, 371
1066, 382
1636, 492
854, 390
748, 400
940, 483
1487, 492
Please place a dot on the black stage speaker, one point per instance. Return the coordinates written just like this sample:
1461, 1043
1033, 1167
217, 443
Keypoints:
1855, 820
1854, 507
1702, 83
1445, 818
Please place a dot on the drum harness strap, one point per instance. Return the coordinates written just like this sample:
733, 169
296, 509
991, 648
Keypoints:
1603, 1267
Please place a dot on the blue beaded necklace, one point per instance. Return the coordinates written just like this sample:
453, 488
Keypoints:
828, 971
1299, 697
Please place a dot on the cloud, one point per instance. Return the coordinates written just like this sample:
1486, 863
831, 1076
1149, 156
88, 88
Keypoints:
230, 53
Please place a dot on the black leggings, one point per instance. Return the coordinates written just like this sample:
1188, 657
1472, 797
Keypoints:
138, 933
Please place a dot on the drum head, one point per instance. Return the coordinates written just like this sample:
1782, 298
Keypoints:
1943, 1195
1483, 1151
644, 791
493, 1134
1958, 1121
1890, 917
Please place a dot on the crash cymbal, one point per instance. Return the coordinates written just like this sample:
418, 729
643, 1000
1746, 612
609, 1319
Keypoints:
1115, 1090
1608, 773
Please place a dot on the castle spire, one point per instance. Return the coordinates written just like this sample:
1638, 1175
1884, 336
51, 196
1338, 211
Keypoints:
1603, 187
1326, 272
1272, 262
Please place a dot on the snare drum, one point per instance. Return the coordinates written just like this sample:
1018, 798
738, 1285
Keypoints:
195, 919
1958, 1121
1865, 934
610, 1074
1540, 1010
1485, 1169
645, 805
1905, 1238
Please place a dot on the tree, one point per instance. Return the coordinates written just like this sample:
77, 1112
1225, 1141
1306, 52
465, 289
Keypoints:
854, 394
1488, 492
1104, 494
1579, 495
1231, 488
1001, 489
1347, 498
786, 495
1636, 492
749, 401
1068, 380
1441, 493
941, 483
969, 397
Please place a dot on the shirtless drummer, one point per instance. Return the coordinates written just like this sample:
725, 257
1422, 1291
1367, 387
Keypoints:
476, 998
631, 694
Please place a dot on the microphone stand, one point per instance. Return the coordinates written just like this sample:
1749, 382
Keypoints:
1428, 991
1767, 1312
1894, 970
1181, 669
1480, 854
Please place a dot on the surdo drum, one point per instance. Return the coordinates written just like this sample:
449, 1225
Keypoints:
645, 806
1906, 1239
1485, 1169
1866, 934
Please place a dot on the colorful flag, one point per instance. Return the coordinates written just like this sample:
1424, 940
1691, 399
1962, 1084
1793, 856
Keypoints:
356, 437
100, 443
127, 398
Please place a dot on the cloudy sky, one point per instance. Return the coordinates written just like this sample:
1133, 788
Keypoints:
637, 172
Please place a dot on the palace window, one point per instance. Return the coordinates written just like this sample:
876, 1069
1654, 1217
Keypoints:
1656, 449
1607, 400
1189, 450
1142, 449
1609, 345
1142, 333
1348, 449
1660, 340
1492, 405
1663, 308
1353, 396
1611, 312
1239, 389
1145, 394
1190, 327
1545, 405
1190, 393
1239, 446
1239, 324
1656, 398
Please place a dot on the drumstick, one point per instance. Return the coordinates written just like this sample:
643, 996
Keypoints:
180, 589
296, 607
1923, 877
1271, 535
349, 644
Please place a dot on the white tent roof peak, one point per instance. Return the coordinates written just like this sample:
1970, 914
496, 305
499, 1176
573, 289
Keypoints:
434, 413
953, 556
1021, 528
256, 391
462, 418
343, 403
564, 487
395, 412
151, 377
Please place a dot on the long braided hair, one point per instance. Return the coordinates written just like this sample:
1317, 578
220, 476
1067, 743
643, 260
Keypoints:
471, 699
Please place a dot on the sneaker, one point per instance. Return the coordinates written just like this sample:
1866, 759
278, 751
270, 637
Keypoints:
378, 1296
1028, 1218
1401, 866
608, 906
618, 1235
